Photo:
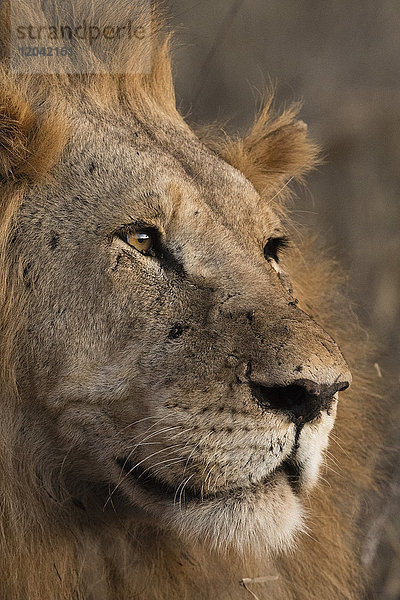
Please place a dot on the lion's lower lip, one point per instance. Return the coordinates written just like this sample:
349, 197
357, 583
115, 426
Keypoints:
159, 488
150, 483
292, 471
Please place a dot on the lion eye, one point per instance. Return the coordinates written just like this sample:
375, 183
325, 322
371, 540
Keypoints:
274, 246
140, 240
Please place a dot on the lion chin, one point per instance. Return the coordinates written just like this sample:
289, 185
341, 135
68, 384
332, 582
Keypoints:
261, 518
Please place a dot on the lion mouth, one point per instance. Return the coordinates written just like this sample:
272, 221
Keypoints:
155, 486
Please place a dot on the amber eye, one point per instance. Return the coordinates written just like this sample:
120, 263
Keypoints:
140, 240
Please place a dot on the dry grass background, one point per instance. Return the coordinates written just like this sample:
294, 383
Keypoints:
342, 59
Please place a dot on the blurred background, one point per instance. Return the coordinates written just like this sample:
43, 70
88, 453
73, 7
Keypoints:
342, 60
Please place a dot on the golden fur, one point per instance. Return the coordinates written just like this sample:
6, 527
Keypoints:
47, 551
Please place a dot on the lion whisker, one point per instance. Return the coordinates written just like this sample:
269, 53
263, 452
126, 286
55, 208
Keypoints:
140, 421
201, 441
150, 436
183, 487
161, 462
125, 475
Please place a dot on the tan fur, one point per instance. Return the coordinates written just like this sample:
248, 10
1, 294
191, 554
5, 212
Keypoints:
91, 370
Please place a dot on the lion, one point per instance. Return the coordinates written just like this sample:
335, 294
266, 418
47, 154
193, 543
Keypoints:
169, 375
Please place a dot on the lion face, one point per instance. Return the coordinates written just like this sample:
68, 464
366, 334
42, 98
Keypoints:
177, 377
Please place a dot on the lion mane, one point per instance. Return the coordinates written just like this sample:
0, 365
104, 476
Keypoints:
49, 550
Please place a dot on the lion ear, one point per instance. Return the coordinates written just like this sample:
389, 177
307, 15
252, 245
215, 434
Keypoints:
275, 149
29, 143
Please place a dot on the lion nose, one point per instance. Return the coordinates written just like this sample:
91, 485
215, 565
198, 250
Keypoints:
302, 401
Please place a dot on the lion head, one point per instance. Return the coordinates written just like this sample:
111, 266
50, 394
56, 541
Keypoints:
168, 355
171, 373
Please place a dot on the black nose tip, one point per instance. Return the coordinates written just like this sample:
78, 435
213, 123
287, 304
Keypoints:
302, 401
